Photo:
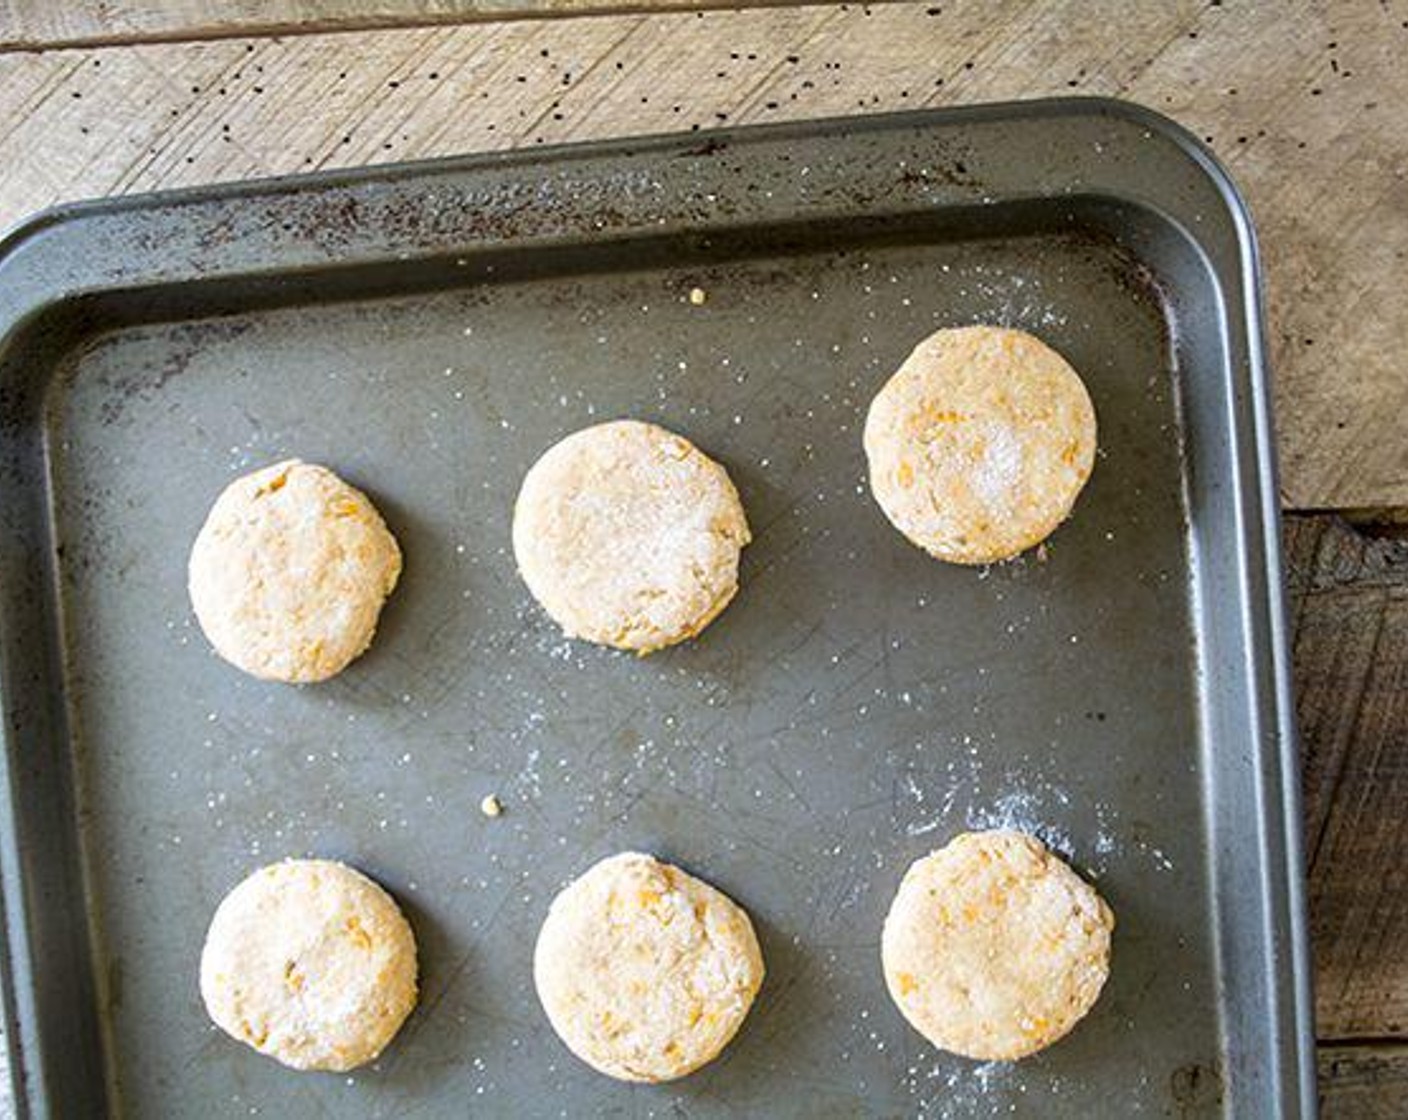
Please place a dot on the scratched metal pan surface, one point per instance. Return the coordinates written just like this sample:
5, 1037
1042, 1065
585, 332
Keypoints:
427, 331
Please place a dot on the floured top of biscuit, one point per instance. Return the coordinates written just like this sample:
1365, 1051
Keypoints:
629, 535
645, 972
311, 963
993, 947
979, 445
289, 573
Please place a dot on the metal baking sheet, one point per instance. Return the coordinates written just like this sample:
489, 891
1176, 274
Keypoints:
428, 330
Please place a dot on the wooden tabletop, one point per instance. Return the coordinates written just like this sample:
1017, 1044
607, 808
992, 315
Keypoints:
1304, 102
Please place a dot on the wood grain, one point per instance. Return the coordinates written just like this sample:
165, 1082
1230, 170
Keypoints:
46, 24
1349, 596
1363, 1082
1305, 108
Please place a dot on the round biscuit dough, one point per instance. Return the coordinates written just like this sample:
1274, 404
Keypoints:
645, 972
979, 445
311, 963
289, 573
629, 535
993, 947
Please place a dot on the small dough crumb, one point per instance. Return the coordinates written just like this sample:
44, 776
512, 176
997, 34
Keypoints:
698, 296
491, 806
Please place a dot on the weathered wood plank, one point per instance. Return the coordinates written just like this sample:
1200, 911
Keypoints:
45, 24
1302, 107
1363, 1082
1349, 596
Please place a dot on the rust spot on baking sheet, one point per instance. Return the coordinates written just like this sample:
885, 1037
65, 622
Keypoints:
127, 384
1195, 1087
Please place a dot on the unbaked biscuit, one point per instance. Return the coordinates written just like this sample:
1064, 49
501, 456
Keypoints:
311, 963
979, 445
629, 535
645, 972
289, 573
994, 948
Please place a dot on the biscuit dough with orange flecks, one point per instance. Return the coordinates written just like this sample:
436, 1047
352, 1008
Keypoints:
993, 947
289, 573
310, 962
979, 445
645, 972
629, 535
